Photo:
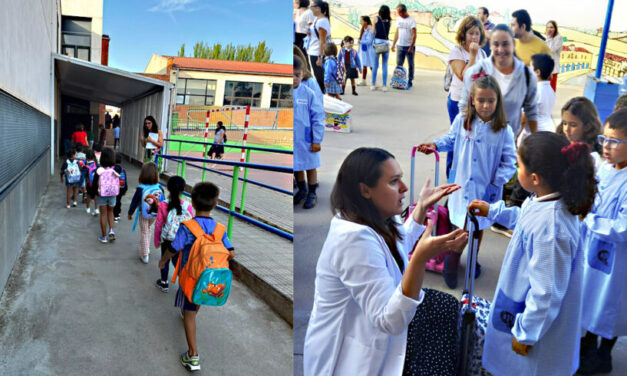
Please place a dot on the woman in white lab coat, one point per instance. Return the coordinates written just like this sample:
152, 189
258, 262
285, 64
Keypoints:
366, 290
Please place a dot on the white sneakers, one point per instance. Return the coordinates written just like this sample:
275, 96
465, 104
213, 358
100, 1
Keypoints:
384, 89
373, 88
144, 259
361, 82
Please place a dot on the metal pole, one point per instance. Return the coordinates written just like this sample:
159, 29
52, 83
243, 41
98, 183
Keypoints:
229, 229
183, 169
245, 133
178, 163
241, 205
204, 164
606, 31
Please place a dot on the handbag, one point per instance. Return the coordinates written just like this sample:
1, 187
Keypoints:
381, 48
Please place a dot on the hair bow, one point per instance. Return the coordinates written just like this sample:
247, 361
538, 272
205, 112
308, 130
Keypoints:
480, 74
574, 150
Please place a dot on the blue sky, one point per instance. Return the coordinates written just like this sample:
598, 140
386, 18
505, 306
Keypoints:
139, 28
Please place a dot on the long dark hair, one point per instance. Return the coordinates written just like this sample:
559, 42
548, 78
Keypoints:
154, 129
324, 8
384, 13
176, 186
568, 169
363, 165
586, 112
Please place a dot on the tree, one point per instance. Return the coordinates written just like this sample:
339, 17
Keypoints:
259, 53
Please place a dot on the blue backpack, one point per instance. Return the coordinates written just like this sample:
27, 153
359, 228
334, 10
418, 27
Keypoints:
146, 208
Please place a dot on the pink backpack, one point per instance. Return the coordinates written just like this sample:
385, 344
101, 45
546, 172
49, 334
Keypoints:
109, 182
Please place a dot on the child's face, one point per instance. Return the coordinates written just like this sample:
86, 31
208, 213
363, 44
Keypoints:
298, 77
348, 44
618, 155
536, 71
572, 127
484, 101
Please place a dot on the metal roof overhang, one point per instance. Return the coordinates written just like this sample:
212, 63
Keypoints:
102, 84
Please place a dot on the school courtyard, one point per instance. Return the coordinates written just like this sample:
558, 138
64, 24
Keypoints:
396, 121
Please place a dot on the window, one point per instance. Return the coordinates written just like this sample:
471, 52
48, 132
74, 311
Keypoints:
195, 92
76, 37
281, 95
242, 93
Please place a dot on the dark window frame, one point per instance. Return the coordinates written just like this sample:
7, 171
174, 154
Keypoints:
231, 99
281, 102
76, 47
181, 92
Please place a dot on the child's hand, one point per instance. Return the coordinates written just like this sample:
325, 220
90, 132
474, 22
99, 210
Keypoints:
315, 148
231, 255
480, 208
423, 148
519, 348
130, 217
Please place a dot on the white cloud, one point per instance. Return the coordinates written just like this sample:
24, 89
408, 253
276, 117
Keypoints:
172, 5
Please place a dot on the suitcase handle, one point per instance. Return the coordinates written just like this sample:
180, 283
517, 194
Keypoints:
412, 174
472, 225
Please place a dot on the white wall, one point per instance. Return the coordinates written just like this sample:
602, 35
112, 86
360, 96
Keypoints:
28, 34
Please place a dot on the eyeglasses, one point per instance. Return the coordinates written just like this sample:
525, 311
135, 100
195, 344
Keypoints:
612, 143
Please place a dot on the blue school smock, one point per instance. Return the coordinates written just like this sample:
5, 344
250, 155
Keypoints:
605, 249
538, 297
355, 61
483, 162
366, 49
313, 85
308, 128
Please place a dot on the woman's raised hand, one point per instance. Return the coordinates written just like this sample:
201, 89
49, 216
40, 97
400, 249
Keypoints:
480, 208
430, 195
423, 148
430, 246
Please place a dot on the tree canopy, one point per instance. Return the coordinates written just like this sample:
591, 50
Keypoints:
259, 53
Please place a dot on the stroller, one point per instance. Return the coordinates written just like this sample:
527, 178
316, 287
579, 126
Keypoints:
446, 335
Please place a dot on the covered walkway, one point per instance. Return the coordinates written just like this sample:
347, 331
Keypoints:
74, 306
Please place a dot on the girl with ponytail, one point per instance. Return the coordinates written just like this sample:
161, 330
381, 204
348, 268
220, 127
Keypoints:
169, 217
536, 312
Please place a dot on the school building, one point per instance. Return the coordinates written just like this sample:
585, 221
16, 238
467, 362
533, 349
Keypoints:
54, 75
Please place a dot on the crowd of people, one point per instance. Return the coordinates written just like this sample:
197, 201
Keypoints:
100, 178
566, 209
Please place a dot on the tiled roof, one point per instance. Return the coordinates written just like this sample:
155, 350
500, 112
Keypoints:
231, 66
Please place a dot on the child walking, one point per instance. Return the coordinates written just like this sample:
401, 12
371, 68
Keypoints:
219, 137
366, 48
308, 134
106, 185
204, 200
145, 200
535, 319
72, 173
484, 158
605, 242
171, 214
123, 187
349, 59
332, 72
91, 165
581, 123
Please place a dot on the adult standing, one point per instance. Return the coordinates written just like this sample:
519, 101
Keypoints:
319, 34
367, 291
79, 136
518, 85
151, 139
366, 50
381, 33
483, 14
405, 38
116, 135
555, 42
470, 36
102, 137
304, 18
528, 43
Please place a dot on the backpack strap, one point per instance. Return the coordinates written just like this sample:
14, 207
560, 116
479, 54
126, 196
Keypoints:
194, 228
219, 231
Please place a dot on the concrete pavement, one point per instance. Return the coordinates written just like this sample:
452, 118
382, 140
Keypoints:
74, 306
395, 121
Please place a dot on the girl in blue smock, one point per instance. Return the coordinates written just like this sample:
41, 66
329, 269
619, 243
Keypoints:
535, 319
332, 87
308, 133
485, 157
605, 243
366, 48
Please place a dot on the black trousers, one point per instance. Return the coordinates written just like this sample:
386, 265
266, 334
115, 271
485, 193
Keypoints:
318, 72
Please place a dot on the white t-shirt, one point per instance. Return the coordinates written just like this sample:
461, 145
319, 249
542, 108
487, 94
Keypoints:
504, 80
546, 101
303, 20
457, 85
404, 26
313, 49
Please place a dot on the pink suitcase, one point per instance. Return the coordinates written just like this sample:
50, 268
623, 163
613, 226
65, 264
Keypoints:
437, 214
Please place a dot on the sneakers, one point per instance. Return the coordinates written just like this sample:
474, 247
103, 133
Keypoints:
362, 82
95, 212
67, 206
116, 219
192, 363
409, 85
88, 211
311, 200
111, 236
501, 230
162, 285
384, 89
144, 259
373, 88
103, 239
74, 204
